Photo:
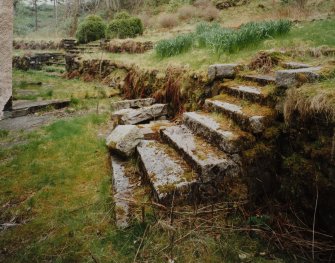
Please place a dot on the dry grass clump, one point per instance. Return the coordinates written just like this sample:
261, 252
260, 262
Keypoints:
210, 13
317, 99
146, 19
202, 3
264, 62
166, 20
187, 12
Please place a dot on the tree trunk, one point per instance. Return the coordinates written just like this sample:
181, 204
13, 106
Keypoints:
75, 15
35, 11
56, 15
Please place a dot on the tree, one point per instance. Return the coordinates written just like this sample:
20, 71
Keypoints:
75, 8
35, 8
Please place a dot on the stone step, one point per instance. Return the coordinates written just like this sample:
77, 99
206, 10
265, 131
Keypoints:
168, 174
135, 116
25, 107
249, 116
296, 77
294, 65
218, 130
136, 103
260, 79
151, 130
127, 190
251, 93
209, 162
220, 71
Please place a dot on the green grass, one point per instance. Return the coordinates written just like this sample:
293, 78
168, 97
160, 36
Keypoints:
303, 35
57, 184
312, 34
57, 187
56, 87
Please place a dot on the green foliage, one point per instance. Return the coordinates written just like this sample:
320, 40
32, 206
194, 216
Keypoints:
175, 46
91, 29
124, 28
3, 133
122, 15
222, 40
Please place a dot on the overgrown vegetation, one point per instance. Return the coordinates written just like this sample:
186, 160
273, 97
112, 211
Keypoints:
91, 29
316, 99
124, 26
223, 40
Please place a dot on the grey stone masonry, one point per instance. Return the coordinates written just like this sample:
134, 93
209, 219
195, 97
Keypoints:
294, 65
167, 173
250, 93
207, 160
211, 130
296, 77
220, 71
124, 139
24, 107
6, 45
134, 116
260, 79
255, 124
137, 103
123, 189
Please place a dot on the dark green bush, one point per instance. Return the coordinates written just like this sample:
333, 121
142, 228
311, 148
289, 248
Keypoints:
122, 15
91, 29
124, 28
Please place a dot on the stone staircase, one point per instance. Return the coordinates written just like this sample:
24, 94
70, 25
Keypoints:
189, 161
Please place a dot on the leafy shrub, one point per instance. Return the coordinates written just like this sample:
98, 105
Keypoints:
175, 46
166, 20
124, 28
122, 15
91, 29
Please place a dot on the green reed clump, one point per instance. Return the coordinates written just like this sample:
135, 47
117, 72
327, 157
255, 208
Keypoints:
174, 46
223, 40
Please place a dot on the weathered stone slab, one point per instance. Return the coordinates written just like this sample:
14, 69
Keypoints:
122, 192
24, 107
134, 116
207, 160
296, 77
168, 174
124, 139
250, 93
151, 130
214, 132
260, 79
220, 71
137, 103
255, 124
294, 65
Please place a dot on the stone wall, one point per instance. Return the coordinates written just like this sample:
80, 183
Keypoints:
6, 43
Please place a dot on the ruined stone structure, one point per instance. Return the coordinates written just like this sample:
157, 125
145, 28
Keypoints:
6, 39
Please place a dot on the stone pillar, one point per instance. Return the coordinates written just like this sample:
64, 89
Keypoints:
6, 44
